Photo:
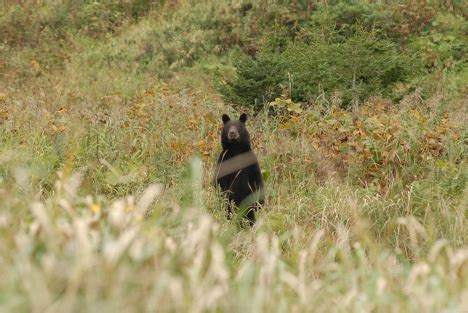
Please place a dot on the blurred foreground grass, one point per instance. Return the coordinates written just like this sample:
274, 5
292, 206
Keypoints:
135, 254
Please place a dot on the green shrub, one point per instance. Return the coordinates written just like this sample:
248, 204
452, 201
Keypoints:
258, 79
444, 45
359, 67
354, 50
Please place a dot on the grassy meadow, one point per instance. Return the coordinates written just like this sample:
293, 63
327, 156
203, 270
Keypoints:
110, 113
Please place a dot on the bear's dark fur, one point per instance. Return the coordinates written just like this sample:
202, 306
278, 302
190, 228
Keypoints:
238, 172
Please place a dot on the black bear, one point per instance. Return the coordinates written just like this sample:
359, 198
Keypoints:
237, 171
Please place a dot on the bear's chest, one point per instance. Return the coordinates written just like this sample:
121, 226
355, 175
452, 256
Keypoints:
238, 178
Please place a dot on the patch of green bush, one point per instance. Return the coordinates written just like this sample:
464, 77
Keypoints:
351, 50
444, 45
358, 67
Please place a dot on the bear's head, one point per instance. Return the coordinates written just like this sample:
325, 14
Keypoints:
234, 135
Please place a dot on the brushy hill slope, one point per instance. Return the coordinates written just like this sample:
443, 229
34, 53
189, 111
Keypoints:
109, 121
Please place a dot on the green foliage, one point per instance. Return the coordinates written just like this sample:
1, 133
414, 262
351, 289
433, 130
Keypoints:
356, 68
396, 21
352, 51
254, 83
445, 44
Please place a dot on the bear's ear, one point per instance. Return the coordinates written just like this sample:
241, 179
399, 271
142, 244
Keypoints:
243, 118
226, 118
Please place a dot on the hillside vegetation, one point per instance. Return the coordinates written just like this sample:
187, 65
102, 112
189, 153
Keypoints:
110, 113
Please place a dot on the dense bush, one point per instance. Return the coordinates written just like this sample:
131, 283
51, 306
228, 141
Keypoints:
356, 67
352, 51
444, 45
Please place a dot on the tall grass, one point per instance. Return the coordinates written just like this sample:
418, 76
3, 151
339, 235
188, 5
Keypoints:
325, 241
82, 253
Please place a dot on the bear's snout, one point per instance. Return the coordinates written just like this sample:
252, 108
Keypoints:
233, 133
